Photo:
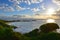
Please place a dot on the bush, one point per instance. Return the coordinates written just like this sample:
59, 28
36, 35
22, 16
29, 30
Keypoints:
49, 27
6, 33
50, 36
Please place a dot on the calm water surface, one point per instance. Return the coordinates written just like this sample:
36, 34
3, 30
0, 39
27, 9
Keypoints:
25, 27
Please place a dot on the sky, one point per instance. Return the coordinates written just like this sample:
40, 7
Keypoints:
27, 7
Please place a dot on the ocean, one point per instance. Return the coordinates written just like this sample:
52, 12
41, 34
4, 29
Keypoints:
25, 27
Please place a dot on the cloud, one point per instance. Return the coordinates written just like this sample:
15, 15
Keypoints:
2, 7
29, 2
28, 8
6, 8
43, 6
26, 1
45, 16
21, 16
58, 11
35, 9
57, 15
27, 16
9, 9
36, 1
56, 1
19, 8
15, 1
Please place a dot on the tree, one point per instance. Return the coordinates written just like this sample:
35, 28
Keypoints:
49, 27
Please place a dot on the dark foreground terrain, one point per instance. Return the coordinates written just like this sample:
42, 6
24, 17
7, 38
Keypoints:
45, 32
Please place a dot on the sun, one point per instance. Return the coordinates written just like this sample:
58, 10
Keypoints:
50, 21
50, 11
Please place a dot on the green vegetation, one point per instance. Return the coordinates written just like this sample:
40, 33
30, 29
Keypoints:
49, 27
7, 33
45, 32
3, 21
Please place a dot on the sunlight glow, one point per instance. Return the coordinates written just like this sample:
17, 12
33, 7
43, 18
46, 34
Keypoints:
50, 11
50, 21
